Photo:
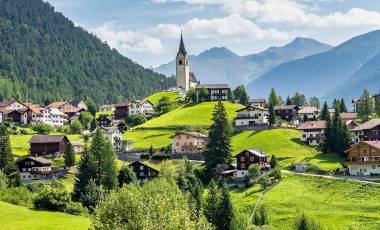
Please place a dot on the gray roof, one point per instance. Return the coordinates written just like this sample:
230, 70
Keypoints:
192, 77
285, 107
41, 139
214, 86
182, 48
258, 100
6, 103
368, 125
254, 152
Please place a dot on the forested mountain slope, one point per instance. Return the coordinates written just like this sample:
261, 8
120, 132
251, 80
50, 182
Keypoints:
44, 56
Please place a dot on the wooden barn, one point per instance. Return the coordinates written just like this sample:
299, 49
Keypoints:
51, 145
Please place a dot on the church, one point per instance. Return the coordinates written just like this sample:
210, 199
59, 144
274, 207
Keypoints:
186, 80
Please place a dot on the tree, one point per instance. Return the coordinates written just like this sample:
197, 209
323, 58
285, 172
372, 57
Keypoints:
314, 101
377, 104
85, 118
342, 106
164, 105
52, 199
254, 171
202, 94
225, 210
218, 148
212, 203
91, 106
135, 119
76, 126
336, 104
325, 114
69, 156
274, 99
366, 106
273, 162
126, 176
272, 115
288, 101
304, 222
264, 181
264, 216
94, 124
42, 128
299, 99
86, 171
191, 95
91, 195
7, 162
241, 95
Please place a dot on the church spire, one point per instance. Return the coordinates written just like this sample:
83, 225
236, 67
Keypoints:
182, 48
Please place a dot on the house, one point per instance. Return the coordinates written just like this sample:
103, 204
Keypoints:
12, 105
368, 131
260, 102
49, 116
357, 102
216, 92
140, 106
107, 108
73, 112
188, 142
312, 131
34, 168
144, 171
79, 104
49, 145
363, 159
61, 105
78, 146
104, 121
20, 116
287, 112
350, 120
121, 110
249, 157
251, 116
127, 145
114, 135
308, 112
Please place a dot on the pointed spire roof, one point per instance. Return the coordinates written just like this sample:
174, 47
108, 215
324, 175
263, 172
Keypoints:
182, 48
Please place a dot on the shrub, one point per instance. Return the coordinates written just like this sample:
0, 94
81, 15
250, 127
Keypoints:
23, 132
4, 182
160, 156
276, 173
264, 181
145, 156
136, 119
42, 128
75, 208
18, 196
35, 187
76, 126
52, 199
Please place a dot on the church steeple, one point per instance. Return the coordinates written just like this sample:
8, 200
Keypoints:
182, 48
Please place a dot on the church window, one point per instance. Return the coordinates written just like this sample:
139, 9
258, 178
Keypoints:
180, 62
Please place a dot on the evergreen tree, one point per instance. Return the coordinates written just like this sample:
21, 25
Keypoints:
164, 105
366, 107
274, 99
314, 101
336, 104
225, 210
126, 176
337, 138
326, 144
325, 114
94, 124
151, 150
91, 195
299, 99
212, 203
218, 148
241, 95
196, 192
92, 107
288, 101
109, 167
273, 162
7, 162
86, 171
343, 107
69, 156
272, 115
264, 216
377, 104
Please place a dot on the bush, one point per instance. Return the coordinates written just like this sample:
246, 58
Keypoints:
136, 119
160, 156
76, 126
52, 199
276, 173
75, 208
4, 182
23, 132
145, 156
18, 196
35, 187
42, 128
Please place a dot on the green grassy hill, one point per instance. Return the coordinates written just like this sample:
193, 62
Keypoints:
338, 204
173, 96
18, 217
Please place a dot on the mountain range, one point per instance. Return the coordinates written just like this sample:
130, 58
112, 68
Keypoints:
220, 64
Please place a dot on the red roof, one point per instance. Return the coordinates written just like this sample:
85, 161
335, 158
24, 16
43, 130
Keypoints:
310, 125
349, 116
72, 110
57, 104
375, 144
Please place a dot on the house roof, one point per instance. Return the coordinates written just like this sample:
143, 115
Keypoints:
375, 144
36, 110
182, 48
281, 107
194, 134
57, 104
106, 106
72, 110
108, 130
312, 125
55, 111
368, 125
192, 77
128, 103
254, 152
150, 165
41, 139
76, 143
7, 103
38, 159
349, 116
308, 109
214, 86
251, 106
76, 102
258, 100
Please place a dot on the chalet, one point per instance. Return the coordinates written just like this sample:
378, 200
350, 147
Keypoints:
363, 159
49, 116
104, 121
140, 106
308, 112
216, 92
121, 110
17, 116
107, 108
357, 102
73, 112
114, 135
249, 157
78, 146
188, 142
144, 171
127, 145
260, 102
34, 168
287, 112
61, 105
79, 104
251, 116
350, 120
12, 105
49, 145
312, 131
368, 131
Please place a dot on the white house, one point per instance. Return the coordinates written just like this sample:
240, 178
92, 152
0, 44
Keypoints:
114, 135
252, 115
312, 131
188, 142
311, 112
34, 168
140, 106
49, 116
12, 105
363, 159
61, 105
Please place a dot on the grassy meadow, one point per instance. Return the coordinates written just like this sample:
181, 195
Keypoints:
143, 139
173, 96
17, 217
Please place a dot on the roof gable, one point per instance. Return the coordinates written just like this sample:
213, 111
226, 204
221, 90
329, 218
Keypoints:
42, 139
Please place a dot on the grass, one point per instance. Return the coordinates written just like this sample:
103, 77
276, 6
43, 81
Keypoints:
338, 204
188, 116
173, 96
330, 161
245, 199
143, 139
17, 217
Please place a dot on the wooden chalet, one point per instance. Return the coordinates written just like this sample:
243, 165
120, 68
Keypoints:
363, 159
249, 157
368, 131
104, 121
287, 112
34, 168
144, 171
51, 145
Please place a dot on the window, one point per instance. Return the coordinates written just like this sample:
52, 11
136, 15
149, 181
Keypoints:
252, 159
180, 62
142, 174
242, 159
373, 166
242, 166
32, 163
141, 167
177, 144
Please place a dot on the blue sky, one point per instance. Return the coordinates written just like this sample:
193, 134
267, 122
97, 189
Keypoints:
147, 31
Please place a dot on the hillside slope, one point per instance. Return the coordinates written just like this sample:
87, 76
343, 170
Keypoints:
318, 74
224, 66
44, 56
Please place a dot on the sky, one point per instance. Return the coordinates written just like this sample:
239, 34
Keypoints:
148, 31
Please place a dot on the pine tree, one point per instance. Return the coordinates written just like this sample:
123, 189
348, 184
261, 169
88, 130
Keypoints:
314, 101
272, 115
91, 195
241, 95
325, 114
274, 98
7, 162
343, 107
69, 156
288, 101
273, 162
212, 203
336, 104
218, 148
264, 216
97, 150
377, 104
366, 107
94, 124
225, 210
126, 176
86, 171
109, 167
326, 144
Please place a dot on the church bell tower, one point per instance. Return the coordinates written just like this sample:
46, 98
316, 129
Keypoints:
182, 67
